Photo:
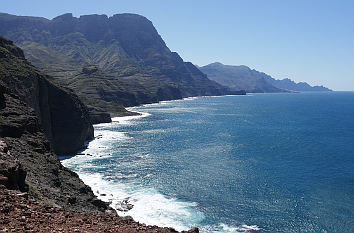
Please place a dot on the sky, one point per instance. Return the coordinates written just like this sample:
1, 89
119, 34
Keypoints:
304, 40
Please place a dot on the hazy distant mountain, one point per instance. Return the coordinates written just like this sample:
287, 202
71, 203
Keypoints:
132, 63
242, 77
239, 78
291, 85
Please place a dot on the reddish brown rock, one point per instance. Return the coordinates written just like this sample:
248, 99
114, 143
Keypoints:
18, 214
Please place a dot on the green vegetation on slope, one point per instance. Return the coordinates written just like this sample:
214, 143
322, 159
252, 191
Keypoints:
132, 63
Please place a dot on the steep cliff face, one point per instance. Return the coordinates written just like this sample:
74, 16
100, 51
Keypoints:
134, 64
63, 117
27, 162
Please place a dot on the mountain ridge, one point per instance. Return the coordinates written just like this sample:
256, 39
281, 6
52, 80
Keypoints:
238, 78
289, 84
126, 47
252, 80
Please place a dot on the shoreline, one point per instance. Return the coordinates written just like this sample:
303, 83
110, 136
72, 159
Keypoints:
22, 214
128, 111
104, 194
101, 194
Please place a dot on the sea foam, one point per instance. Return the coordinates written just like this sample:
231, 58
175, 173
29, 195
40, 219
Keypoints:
144, 204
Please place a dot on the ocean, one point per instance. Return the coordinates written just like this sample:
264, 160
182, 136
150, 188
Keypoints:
254, 163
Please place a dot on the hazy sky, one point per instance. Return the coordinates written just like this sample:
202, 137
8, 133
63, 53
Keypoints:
305, 40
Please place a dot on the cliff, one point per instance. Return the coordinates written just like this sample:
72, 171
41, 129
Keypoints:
29, 104
27, 162
134, 65
63, 117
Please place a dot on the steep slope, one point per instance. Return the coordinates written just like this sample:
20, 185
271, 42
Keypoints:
239, 78
125, 48
63, 117
288, 84
26, 159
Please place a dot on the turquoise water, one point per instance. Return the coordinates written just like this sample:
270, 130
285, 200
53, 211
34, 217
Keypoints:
267, 162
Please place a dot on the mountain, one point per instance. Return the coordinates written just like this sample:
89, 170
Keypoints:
132, 63
239, 78
288, 84
242, 77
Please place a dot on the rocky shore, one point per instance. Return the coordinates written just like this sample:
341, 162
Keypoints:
19, 213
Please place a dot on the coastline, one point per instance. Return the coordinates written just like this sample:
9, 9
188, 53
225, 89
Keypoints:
92, 180
121, 205
119, 195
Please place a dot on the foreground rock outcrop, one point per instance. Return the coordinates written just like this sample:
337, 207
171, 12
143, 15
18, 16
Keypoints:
20, 214
12, 174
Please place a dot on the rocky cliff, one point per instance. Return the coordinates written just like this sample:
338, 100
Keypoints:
134, 65
29, 104
27, 162
63, 117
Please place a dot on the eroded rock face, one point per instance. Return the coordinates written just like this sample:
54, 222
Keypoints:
27, 160
12, 174
63, 117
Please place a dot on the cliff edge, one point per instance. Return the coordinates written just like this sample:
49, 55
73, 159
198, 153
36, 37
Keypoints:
63, 117
33, 109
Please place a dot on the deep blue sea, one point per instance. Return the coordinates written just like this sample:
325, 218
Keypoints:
267, 162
